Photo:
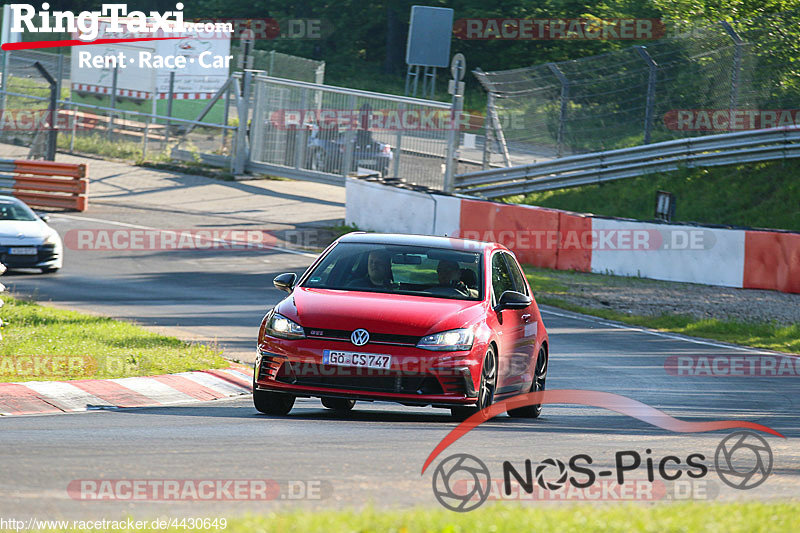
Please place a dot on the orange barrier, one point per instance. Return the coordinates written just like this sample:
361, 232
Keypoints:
50, 184
530, 232
772, 261
575, 242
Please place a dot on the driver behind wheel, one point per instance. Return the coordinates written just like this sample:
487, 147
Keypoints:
450, 276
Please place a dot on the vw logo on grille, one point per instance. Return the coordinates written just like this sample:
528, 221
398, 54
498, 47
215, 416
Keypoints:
359, 337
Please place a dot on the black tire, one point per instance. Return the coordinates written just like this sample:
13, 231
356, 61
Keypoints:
539, 379
339, 404
272, 403
49, 270
486, 389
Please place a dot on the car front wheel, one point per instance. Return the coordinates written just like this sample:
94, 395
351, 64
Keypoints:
272, 403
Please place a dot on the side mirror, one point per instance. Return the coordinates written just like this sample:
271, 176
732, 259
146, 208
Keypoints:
44, 216
285, 282
513, 300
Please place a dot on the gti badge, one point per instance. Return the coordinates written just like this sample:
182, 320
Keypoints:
359, 337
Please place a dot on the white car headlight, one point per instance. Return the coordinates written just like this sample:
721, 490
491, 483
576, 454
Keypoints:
51, 239
280, 326
452, 340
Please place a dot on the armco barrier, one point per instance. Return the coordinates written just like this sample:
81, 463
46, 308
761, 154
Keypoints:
48, 184
571, 241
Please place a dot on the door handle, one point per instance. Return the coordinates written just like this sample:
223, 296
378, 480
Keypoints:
526, 317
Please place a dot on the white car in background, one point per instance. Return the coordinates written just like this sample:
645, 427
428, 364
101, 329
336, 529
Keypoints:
26, 241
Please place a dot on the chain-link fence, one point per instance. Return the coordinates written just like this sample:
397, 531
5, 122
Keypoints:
713, 79
279, 65
340, 131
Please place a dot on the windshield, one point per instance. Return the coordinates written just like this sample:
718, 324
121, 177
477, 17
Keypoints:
417, 270
10, 210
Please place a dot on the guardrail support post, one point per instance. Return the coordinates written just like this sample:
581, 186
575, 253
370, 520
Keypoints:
652, 67
350, 140
562, 118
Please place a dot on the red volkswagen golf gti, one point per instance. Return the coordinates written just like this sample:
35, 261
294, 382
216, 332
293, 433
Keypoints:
405, 318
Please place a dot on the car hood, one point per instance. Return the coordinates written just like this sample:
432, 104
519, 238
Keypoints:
377, 312
31, 231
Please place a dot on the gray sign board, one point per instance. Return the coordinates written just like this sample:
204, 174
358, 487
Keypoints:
429, 36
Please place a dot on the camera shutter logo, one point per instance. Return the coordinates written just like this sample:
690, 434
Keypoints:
562, 474
743, 460
455, 469
359, 337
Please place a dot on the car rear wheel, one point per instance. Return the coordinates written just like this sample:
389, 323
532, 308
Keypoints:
486, 389
539, 378
272, 403
338, 404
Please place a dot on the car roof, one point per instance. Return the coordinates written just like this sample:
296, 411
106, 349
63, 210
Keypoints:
429, 241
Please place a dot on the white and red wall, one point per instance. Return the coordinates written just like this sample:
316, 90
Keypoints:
570, 241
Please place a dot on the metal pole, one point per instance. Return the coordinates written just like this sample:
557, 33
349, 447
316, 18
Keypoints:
562, 119
488, 136
240, 158
737, 62
60, 70
652, 67
74, 128
52, 110
299, 140
3, 82
226, 113
398, 142
350, 141
169, 106
113, 100
457, 67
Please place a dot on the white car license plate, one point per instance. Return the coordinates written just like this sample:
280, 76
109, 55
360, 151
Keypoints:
364, 360
22, 251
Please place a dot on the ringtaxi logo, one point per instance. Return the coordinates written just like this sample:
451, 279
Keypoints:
142, 240
558, 29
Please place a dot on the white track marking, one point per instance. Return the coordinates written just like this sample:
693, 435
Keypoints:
587, 318
214, 383
65, 395
154, 390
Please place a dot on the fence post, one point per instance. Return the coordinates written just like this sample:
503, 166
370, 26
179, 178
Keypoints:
562, 118
113, 100
458, 66
240, 157
4, 81
737, 62
652, 67
350, 140
170, 96
52, 138
398, 142
300, 142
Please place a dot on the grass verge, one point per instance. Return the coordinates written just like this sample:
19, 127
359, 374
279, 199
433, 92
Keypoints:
763, 195
42, 343
751, 517
784, 338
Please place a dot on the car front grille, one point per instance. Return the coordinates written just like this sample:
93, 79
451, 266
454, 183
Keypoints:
374, 338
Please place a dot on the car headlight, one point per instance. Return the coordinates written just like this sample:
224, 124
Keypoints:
452, 340
280, 326
51, 240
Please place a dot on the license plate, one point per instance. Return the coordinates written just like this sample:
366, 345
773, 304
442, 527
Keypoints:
367, 162
22, 251
363, 360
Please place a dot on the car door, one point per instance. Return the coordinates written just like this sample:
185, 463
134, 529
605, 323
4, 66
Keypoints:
512, 354
522, 365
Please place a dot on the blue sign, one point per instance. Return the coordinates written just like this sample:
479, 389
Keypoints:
429, 36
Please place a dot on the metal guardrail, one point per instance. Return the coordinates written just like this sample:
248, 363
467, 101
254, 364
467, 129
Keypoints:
711, 150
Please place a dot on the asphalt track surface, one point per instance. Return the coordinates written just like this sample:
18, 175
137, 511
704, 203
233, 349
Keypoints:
374, 455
